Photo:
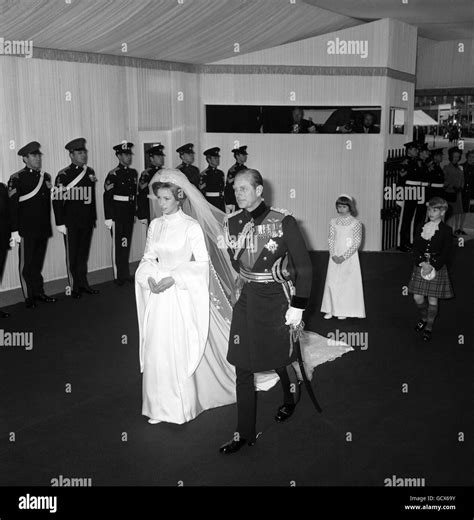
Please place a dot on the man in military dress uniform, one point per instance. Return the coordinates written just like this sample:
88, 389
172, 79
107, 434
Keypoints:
74, 207
240, 155
435, 174
120, 191
157, 160
259, 238
4, 234
186, 154
413, 175
29, 192
212, 179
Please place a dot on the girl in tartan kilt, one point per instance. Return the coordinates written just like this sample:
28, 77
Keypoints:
430, 279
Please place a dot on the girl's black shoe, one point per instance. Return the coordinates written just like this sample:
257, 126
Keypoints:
420, 326
426, 335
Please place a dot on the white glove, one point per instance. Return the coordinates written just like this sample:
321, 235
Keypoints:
293, 316
62, 229
109, 223
15, 238
144, 221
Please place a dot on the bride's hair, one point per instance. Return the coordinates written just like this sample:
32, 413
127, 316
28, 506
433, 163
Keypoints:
178, 193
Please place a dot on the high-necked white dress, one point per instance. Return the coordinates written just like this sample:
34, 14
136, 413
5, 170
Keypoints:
343, 292
183, 363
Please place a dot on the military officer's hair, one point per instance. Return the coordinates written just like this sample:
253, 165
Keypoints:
346, 201
468, 153
177, 192
255, 176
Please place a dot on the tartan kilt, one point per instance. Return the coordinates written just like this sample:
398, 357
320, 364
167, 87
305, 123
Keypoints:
440, 287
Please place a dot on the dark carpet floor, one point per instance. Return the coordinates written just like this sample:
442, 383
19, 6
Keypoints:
369, 430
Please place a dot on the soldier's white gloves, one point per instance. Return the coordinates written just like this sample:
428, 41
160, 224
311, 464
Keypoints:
144, 221
293, 316
109, 223
15, 238
61, 229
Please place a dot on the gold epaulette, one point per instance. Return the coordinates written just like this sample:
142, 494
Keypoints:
280, 210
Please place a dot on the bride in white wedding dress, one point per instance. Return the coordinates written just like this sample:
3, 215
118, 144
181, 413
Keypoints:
184, 286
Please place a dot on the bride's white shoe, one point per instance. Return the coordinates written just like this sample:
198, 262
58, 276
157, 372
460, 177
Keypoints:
328, 316
153, 421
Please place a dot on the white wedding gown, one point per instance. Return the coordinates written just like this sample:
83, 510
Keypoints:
184, 330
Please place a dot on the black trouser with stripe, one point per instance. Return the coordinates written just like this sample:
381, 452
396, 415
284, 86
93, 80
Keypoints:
410, 208
77, 242
247, 398
3, 256
121, 233
31, 253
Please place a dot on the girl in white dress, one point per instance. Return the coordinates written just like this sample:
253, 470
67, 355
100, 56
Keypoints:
343, 293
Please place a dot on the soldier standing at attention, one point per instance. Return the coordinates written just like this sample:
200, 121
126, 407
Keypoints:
212, 179
240, 155
157, 160
410, 176
4, 234
75, 211
186, 154
29, 192
120, 192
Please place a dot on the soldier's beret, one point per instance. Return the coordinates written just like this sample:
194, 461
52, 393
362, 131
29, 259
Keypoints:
212, 152
123, 148
156, 149
76, 145
424, 147
186, 148
241, 149
454, 149
33, 147
412, 144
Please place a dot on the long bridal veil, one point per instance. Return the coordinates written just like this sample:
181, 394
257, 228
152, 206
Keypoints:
223, 280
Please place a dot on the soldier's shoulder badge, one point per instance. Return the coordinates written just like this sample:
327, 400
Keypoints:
113, 172
63, 171
280, 210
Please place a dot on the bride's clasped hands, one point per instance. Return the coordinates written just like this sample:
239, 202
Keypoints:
162, 285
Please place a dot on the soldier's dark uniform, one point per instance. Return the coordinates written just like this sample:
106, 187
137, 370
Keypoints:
191, 171
79, 215
212, 182
416, 175
120, 191
259, 339
29, 194
143, 202
4, 233
229, 194
435, 177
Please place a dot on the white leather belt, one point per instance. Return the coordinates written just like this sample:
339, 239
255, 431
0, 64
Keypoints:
417, 183
123, 198
213, 194
437, 185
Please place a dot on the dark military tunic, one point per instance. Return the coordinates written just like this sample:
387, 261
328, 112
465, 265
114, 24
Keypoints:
31, 218
143, 202
191, 172
229, 194
120, 191
259, 339
75, 208
436, 181
468, 190
212, 186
